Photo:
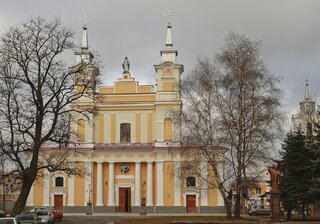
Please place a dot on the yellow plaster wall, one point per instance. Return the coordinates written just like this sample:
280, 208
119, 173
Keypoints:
168, 106
167, 86
138, 124
124, 108
168, 129
125, 87
113, 128
127, 98
106, 90
124, 182
144, 89
105, 181
101, 128
150, 127
168, 182
81, 130
212, 192
263, 188
38, 192
79, 190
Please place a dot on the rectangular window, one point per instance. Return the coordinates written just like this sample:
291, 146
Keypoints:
258, 190
125, 133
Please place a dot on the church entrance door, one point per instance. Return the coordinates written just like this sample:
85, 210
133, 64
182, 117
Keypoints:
58, 201
125, 199
191, 203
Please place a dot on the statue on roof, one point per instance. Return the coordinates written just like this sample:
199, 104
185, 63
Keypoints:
126, 65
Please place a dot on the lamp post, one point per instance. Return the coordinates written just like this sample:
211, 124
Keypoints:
3, 178
3, 187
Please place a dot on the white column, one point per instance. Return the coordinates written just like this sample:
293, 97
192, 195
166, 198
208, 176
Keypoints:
46, 188
71, 190
177, 186
99, 184
149, 199
204, 184
137, 183
30, 197
159, 183
87, 183
111, 185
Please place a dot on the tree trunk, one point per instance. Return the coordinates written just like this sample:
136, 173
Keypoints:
289, 214
237, 206
228, 207
303, 211
24, 193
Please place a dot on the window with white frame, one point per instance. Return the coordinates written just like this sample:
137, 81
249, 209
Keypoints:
59, 182
190, 182
258, 190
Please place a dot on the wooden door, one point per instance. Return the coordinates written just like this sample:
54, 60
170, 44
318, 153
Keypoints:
124, 199
58, 201
191, 203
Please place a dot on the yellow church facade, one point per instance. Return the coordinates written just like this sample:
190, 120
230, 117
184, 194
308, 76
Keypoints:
129, 139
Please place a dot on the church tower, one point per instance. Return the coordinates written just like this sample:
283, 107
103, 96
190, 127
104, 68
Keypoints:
84, 73
168, 105
306, 117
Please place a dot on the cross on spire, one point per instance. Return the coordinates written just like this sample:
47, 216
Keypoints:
169, 15
85, 19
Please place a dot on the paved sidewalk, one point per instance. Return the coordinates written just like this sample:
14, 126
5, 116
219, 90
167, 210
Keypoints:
148, 214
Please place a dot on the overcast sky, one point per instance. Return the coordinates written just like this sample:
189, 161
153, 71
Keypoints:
288, 29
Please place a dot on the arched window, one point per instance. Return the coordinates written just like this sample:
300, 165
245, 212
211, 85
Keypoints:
81, 127
59, 182
168, 129
190, 181
125, 133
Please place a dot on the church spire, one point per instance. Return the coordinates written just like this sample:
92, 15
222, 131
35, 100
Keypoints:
169, 42
169, 53
84, 42
306, 90
83, 55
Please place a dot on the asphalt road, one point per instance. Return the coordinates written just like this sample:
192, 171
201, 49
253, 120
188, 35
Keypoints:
94, 219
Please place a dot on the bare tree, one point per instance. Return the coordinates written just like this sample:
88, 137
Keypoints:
36, 90
232, 103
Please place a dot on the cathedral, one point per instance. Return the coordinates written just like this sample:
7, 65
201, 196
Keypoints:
307, 115
130, 147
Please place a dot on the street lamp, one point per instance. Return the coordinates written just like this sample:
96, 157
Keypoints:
3, 186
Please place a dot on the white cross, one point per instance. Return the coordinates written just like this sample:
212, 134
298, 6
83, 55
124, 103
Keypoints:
85, 19
169, 15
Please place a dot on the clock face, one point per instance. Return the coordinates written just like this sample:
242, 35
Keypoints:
167, 70
124, 168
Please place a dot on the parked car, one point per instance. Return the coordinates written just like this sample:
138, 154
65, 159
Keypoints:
57, 214
28, 218
2, 214
8, 220
43, 213
260, 210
